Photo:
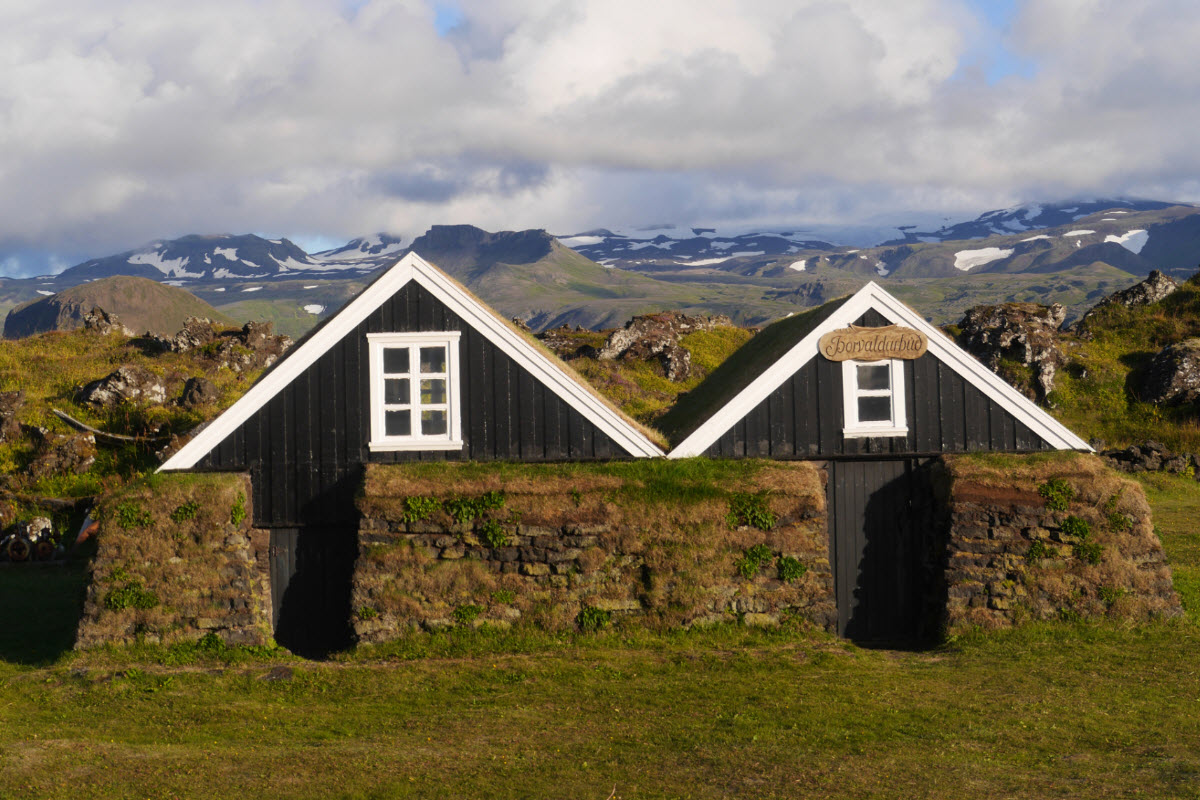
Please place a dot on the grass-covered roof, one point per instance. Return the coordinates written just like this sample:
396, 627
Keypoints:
736, 373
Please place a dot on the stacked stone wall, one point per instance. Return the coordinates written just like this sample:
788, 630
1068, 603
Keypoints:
1020, 546
177, 559
588, 549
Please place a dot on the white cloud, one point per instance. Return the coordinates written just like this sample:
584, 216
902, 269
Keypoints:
138, 119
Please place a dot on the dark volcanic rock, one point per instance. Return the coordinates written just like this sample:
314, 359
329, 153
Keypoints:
1023, 332
1153, 289
1173, 375
195, 333
56, 454
10, 404
656, 336
128, 384
253, 347
1149, 457
100, 321
199, 391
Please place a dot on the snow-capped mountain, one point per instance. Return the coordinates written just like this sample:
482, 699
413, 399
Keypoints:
694, 246
248, 257
1028, 217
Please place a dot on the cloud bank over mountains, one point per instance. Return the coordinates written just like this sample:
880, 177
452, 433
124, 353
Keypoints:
137, 119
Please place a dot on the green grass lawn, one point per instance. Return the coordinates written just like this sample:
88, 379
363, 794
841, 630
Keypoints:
1056, 710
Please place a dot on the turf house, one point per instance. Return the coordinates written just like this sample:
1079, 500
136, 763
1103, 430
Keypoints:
413, 368
416, 463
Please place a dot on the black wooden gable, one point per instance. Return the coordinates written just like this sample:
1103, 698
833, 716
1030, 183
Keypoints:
803, 417
305, 439
953, 404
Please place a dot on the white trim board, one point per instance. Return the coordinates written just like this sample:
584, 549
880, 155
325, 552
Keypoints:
872, 296
414, 268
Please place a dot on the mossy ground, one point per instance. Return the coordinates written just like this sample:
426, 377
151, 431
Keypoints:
1097, 393
50, 367
642, 390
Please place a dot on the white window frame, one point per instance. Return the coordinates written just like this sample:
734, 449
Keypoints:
452, 438
897, 425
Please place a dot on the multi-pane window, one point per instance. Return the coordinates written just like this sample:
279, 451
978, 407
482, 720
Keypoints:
414, 391
873, 394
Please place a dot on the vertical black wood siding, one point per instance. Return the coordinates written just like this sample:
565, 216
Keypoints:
803, 418
305, 448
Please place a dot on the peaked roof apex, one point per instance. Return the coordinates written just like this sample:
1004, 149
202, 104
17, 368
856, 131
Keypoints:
460, 300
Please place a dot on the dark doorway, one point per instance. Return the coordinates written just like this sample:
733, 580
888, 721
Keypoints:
879, 524
311, 574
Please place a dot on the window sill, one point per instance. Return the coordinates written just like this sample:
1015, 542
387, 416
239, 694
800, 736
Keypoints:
868, 433
386, 447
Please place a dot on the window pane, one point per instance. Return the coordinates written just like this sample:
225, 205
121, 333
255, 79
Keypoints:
395, 390
874, 377
433, 423
874, 409
397, 423
433, 392
395, 360
433, 359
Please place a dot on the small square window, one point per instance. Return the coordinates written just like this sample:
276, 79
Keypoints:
873, 398
414, 391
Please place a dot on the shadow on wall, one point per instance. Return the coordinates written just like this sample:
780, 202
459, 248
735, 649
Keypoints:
42, 605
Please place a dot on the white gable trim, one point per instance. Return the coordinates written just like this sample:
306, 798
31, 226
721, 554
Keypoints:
413, 267
872, 296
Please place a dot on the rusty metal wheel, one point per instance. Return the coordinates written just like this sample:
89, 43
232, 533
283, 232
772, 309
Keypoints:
43, 550
19, 549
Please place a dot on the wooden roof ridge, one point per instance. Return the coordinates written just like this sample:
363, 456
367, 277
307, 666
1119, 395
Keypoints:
539, 361
758, 368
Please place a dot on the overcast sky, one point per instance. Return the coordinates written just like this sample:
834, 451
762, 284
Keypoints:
123, 121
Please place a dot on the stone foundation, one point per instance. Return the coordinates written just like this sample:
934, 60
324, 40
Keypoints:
176, 561
576, 547
1011, 558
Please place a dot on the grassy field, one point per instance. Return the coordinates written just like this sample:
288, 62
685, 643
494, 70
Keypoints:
1087, 710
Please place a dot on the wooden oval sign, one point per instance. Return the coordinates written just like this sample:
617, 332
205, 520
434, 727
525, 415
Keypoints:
872, 344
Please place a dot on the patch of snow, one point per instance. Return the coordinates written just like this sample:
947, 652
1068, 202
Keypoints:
1078, 233
798, 265
219, 289
851, 251
1031, 211
173, 283
1078, 245
881, 268
864, 258
1108, 219
154, 259
1118, 212
1132, 240
793, 249
313, 308
252, 289
223, 273
1070, 210
643, 245
311, 286
227, 253
46, 293
1035, 238
705, 261
969, 259
749, 253
580, 241
207, 258
290, 263
722, 245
